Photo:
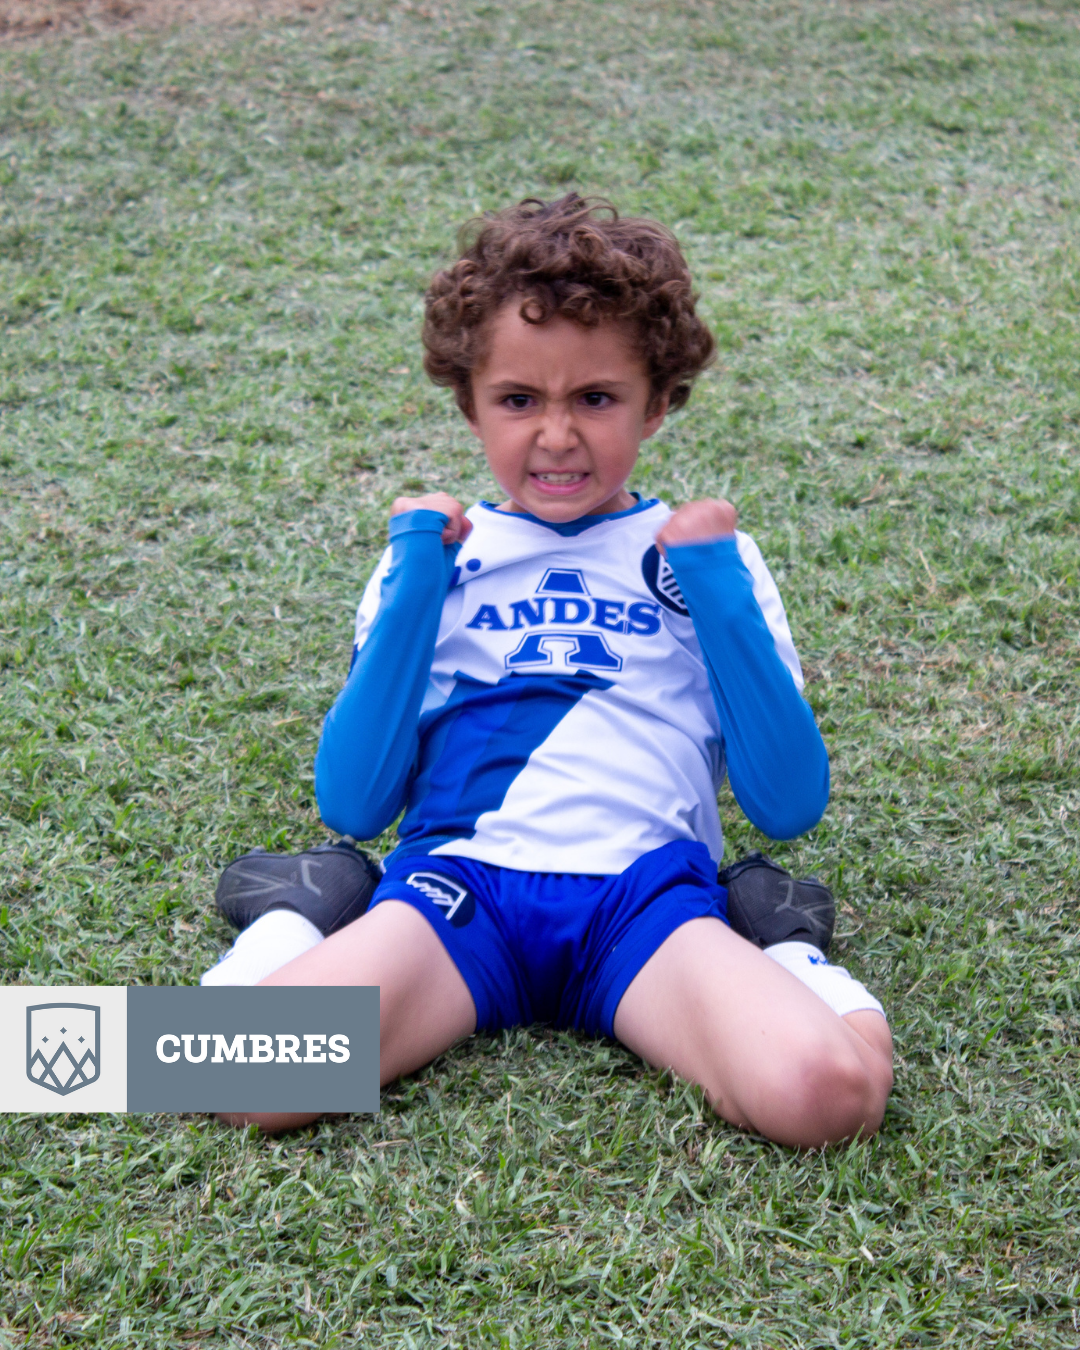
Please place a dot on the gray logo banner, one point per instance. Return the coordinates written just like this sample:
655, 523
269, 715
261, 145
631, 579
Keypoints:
294, 1048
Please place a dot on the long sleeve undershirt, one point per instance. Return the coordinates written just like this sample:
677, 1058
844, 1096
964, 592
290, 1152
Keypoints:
777, 762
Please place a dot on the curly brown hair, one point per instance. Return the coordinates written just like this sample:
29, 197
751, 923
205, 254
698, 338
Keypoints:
578, 258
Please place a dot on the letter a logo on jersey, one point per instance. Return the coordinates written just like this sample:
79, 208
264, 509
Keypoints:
62, 1045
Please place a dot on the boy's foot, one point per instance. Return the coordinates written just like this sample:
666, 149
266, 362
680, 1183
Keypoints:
330, 885
767, 905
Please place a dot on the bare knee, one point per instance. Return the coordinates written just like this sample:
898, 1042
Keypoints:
822, 1091
839, 1091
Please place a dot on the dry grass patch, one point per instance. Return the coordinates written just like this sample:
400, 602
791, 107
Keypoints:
22, 19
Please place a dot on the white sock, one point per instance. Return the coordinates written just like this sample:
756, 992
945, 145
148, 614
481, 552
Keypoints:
832, 984
272, 941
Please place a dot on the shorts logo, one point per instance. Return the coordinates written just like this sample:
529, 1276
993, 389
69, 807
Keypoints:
660, 579
62, 1046
455, 901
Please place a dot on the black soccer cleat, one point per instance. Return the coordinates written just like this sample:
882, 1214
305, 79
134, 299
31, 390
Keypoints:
766, 904
330, 885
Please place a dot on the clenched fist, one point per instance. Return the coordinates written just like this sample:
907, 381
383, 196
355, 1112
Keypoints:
457, 528
697, 522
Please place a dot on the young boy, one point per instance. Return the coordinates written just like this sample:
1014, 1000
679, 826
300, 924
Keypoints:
553, 688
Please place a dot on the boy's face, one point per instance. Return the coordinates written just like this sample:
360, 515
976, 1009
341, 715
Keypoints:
562, 411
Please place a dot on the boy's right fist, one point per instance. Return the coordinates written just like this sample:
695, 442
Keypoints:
457, 528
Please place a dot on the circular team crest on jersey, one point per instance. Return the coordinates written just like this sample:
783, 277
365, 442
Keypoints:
660, 579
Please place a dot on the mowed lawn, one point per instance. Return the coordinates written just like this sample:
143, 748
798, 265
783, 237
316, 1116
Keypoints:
213, 246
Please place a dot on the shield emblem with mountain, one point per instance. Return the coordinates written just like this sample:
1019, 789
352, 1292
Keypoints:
62, 1045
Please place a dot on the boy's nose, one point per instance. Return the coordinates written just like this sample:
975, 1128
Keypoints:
557, 431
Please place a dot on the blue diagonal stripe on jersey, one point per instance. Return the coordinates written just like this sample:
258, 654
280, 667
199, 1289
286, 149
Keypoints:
476, 744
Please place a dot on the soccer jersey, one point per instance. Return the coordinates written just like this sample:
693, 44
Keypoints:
569, 722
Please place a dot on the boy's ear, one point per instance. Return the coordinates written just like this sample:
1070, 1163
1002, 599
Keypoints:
654, 416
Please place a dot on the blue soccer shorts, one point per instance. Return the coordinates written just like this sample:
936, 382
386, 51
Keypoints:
555, 947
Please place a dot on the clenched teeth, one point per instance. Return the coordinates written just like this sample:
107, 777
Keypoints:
560, 477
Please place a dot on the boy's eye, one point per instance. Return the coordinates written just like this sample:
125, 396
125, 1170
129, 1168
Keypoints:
518, 401
595, 398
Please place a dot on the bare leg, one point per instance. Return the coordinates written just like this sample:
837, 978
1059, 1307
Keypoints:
424, 1004
771, 1056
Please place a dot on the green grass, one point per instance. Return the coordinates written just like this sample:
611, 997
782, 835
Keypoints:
212, 252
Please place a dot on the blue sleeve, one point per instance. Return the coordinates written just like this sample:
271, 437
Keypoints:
777, 762
370, 739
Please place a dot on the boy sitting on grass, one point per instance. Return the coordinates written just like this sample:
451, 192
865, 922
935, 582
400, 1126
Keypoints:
553, 689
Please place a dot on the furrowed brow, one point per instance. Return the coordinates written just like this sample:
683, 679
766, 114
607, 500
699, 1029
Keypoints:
519, 387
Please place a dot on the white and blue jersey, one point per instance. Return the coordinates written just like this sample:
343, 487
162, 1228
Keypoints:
561, 698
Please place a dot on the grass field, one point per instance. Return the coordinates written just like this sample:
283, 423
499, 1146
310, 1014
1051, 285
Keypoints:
213, 246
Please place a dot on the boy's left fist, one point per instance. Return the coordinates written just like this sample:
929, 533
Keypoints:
697, 522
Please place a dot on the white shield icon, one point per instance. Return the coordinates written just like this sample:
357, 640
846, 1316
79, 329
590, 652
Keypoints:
62, 1045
